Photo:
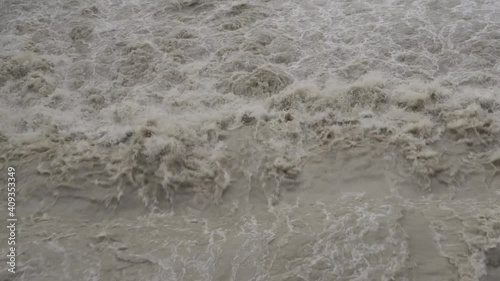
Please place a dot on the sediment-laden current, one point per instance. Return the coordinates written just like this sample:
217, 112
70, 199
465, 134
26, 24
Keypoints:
280, 140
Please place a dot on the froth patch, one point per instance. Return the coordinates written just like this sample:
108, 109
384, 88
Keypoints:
417, 96
241, 61
182, 49
39, 84
80, 73
183, 4
302, 97
136, 64
240, 15
81, 32
262, 82
28, 77
123, 113
22, 65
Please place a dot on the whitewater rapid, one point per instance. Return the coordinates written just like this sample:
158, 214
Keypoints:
252, 140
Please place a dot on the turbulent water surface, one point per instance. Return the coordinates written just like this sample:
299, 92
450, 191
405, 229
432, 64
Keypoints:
273, 140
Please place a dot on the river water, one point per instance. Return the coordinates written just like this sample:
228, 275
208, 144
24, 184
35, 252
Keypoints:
252, 140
